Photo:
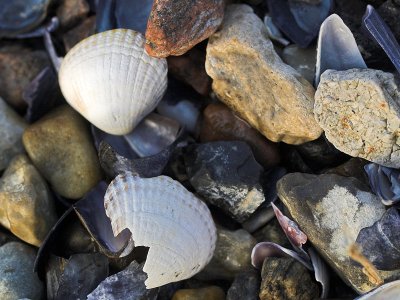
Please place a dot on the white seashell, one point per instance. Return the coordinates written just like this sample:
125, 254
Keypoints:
388, 291
163, 215
111, 80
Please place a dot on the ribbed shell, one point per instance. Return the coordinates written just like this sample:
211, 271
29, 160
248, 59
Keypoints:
162, 215
111, 81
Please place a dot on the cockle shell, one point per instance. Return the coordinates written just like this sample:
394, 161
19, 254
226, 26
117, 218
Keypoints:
111, 81
163, 215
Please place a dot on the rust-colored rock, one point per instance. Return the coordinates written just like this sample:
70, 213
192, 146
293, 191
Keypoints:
175, 26
80, 32
221, 124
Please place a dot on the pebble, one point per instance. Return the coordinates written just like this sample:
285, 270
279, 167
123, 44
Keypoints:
251, 79
360, 112
209, 293
175, 26
221, 124
245, 286
71, 12
303, 60
60, 146
272, 232
11, 128
17, 278
80, 32
226, 175
285, 278
26, 205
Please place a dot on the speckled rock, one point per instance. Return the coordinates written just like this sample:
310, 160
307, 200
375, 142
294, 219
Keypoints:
26, 205
71, 12
245, 286
251, 78
11, 128
359, 109
80, 32
175, 26
17, 278
209, 293
60, 146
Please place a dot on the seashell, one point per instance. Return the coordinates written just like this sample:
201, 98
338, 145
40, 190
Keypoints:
163, 215
388, 291
111, 81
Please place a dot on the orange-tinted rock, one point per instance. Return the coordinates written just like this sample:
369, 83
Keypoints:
80, 32
175, 26
221, 124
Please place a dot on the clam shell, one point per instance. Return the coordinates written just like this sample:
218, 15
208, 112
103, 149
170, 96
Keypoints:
163, 215
111, 81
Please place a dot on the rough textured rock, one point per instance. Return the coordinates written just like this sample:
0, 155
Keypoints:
26, 205
175, 26
245, 286
80, 32
60, 146
209, 293
359, 109
250, 77
226, 175
11, 128
221, 124
332, 210
17, 278
302, 60
70, 12
285, 278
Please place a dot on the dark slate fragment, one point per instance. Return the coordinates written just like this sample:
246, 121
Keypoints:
245, 286
380, 243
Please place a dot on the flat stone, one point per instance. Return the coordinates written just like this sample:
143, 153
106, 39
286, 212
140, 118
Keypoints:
71, 12
61, 147
221, 124
303, 60
331, 210
250, 78
209, 293
175, 26
17, 278
26, 205
80, 32
226, 175
245, 286
359, 109
11, 128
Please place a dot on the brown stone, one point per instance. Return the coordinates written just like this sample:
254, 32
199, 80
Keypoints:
175, 26
221, 124
80, 32
71, 12
209, 293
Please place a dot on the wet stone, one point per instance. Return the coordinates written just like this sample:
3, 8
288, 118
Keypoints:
71, 12
302, 60
226, 175
80, 32
209, 293
60, 146
245, 286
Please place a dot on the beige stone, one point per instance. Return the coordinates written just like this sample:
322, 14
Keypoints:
251, 78
210, 293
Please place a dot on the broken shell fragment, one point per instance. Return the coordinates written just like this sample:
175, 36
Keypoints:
163, 215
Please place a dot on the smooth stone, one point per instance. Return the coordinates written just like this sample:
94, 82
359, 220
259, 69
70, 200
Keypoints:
303, 60
12, 127
221, 124
18, 67
175, 26
250, 78
209, 293
359, 109
79, 33
331, 210
245, 286
226, 175
354, 167
71, 12
285, 278
17, 278
61, 147
26, 205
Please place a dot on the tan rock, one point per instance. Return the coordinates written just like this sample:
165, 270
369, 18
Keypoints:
250, 77
209, 293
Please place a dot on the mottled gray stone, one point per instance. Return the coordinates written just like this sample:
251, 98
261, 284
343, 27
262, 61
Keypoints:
245, 286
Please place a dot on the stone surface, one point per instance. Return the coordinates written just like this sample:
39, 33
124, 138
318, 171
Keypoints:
11, 128
354, 167
226, 175
71, 12
221, 124
245, 286
80, 32
250, 78
302, 60
26, 205
390, 11
285, 278
175, 26
209, 293
17, 278
359, 109
60, 146
331, 210
272, 232
18, 67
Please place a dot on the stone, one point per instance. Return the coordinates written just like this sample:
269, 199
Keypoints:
390, 11
61, 147
285, 278
272, 232
245, 286
331, 210
71, 12
18, 67
175, 26
354, 167
359, 109
303, 60
26, 204
221, 124
209, 293
252, 80
17, 278
12, 127
79, 32
226, 175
